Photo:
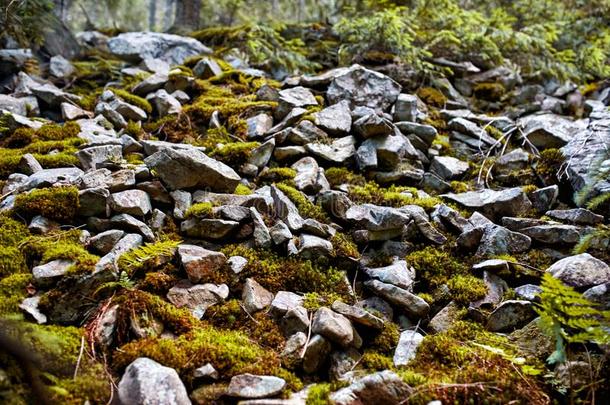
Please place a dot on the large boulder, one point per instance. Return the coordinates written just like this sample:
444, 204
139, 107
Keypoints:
494, 203
173, 49
147, 382
363, 87
192, 168
581, 271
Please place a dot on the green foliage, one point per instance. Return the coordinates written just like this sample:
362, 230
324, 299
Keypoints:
568, 317
466, 288
148, 256
435, 266
394, 196
57, 203
26, 21
318, 394
598, 239
263, 45
242, 190
344, 246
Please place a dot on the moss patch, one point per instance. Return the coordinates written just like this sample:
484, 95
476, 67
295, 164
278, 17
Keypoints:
57, 203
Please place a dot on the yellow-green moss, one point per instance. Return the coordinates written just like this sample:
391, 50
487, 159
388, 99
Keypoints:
278, 174
318, 394
57, 203
466, 288
458, 186
386, 340
306, 208
200, 210
344, 246
13, 291
432, 96
434, 266
375, 361
393, 196
489, 91
341, 175
242, 189
233, 153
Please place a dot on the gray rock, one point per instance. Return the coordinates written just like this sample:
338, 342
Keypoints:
336, 203
497, 240
29, 305
259, 125
528, 292
255, 386
110, 260
308, 178
340, 150
199, 263
295, 320
151, 83
294, 97
472, 130
206, 68
53, 96
255, 298
173, 49
445, 318
304, 133
316, 353
510, 315
237, 263
544, 198
48, 273
147, 382
60, 67
399, 274
448, 167
579, 216
363, 87
132, 202
93, 202
260, 156
407, 347
70, 112
426, 132
14, 105
516, 159
509, 202
131, 224
286, 210
280, 233
105, 241
553, 234
285, 301
206, 371
405, 108
99, 156
336, 119
358, 315
333, 326
342, 364
164, 103
182, 202
383, 152
548, 130
383, 387
197, 297
413, 305
581, 271
262, 237
599, 294
209, 228
377, 218
42, 226
373, 125
312, 247
191, 168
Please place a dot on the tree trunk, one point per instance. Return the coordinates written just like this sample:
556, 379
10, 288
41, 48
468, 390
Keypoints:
187, 15
152, 14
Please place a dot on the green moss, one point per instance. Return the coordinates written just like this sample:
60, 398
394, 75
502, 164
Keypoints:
12, 232
56, 132
458, 186
549, 164
432, 96
318, 394
376, 361
344, 246
134, 129
306, 208
133, 99
200, 210
393, 196
57, 203
242, 189
341, 175
234, 153
489, 91
230, 352
435, 266
134, 159
13, 291
466, 289
278, 174
386, 340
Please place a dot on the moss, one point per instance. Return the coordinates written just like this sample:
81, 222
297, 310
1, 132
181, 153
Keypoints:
549, 164
11, 261
234, 153
458, 186
242, 189
13, 291
429, 298
435, 266
318, 394
494, 132
489, 91
466, 289
230, 352
393, 196
432, 96
341, 175
386, 340
344, 246
134, 129
12, 232
200, 210
57, 203
135, 159
529, 188
56, 132
278, 174
306, 208
376, 361
133, 99
445, 148
149, 256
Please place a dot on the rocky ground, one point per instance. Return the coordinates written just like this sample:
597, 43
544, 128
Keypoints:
180, 228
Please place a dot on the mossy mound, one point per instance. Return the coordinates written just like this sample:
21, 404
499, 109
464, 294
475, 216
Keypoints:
57, 203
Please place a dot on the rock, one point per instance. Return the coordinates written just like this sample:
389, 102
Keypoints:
147, 382
340, 150
363, 87
382, 387
180, 169
308, 178
255, 386
70, 112
548, 130
448, 167
164, 103
197, 297
129, 223
544, 198
206, 371
48, 273
52, 96
333, 326
128, 111
471, 130
99, 156
206, 68
30, 307
60, 67
599, 294
208, 228
405, 108
312, 247
407, 347
13, 60
425, 132
413, 305
376, 218
294, 97
255, 297
42, 226
399, 274
373, 125
444, 319
110, 260
358, 315
285, 301
342, 364
14, 105
259, 125
295, 320
286, 210
150, 84
132, 202
497, 240
509, 202
384, 152
554, 234
280, 233
104, 242
200, 264
182, 202
517, 159
528, 292
580, 271
579, 216
260, 156
510, 315
336, 119
262, 237
237, 263
173, 49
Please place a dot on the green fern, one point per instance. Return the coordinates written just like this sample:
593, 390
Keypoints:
568, 317
147, 255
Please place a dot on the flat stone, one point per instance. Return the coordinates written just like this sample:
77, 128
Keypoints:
335, 119
398, 273
340, 150
46, 274
448, 167
382, 387
407, 347
199, 263
285, 301
104, 242
554, 234
316, 353
255, 386
510, 315
208, 228
579, 216
510, 202
197, 297
376, 218
413, 305
255, 298
132, 202
358, 315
